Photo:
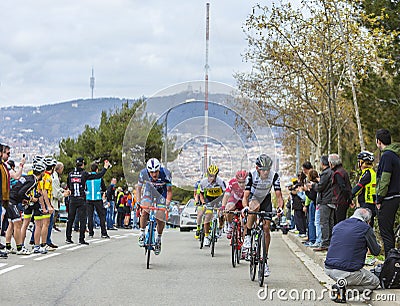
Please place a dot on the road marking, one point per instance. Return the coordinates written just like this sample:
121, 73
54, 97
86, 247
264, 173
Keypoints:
3, 264
47, 256
115, 236
92, 240
10, 269
77, 247
30, 256
65, 246
132, 234
104, 240
119, 237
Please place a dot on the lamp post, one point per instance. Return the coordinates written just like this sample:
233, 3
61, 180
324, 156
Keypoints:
166, 138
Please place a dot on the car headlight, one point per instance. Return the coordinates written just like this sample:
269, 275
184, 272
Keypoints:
185, 215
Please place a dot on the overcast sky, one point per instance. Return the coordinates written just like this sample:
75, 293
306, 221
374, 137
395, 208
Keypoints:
137, 47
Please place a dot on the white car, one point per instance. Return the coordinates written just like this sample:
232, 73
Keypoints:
188, 217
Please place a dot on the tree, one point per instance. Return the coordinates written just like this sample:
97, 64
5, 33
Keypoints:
299, 71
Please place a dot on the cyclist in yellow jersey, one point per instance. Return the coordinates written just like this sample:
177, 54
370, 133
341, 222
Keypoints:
212, 188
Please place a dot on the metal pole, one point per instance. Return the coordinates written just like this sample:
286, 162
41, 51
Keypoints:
166, 139
206, 86
297, 152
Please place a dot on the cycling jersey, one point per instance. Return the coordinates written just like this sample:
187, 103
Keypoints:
234, 191
76, 181
212, 190
260, 188
23, 189
155, 189
47, 184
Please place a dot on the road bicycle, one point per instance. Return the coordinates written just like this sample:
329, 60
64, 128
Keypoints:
237, 238
257, 254
213, 228
201, 232
150, 237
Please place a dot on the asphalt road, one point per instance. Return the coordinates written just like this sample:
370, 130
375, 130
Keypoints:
113, 271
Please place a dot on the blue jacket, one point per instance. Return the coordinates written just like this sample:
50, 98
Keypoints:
349, 243
95, 188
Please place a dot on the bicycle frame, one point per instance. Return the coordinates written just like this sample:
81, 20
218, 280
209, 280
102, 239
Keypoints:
237, 237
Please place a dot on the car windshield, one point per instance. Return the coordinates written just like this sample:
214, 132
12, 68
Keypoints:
190, 203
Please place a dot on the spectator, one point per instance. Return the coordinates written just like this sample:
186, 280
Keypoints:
15, 175
110, 195
314, 229
120, 203
4, 184
94, 190
351, 239
324, 203
76, 183
365, 188
58, 192
341, 187
387, 186
298, 198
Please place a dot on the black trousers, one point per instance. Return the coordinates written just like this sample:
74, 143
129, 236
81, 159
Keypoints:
101, 211
301, 221
341, 212
76, 206
386, 217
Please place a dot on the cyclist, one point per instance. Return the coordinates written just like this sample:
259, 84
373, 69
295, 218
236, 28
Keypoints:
157, 185
233, 196
211, 188
365, 188
257, 197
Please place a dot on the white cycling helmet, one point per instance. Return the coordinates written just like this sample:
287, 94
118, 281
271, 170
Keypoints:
39, 166
153, 165
37, 158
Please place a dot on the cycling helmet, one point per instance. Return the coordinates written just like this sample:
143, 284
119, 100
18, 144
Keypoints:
366, 156
49, 161
212, 170
37, 158
39, 166
153, 165
241, 175
264, 162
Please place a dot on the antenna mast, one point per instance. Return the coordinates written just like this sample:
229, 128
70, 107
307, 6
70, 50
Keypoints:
206, 87
92, 82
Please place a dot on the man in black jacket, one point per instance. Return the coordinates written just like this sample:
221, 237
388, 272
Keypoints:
387, 187
324, 203
76, 183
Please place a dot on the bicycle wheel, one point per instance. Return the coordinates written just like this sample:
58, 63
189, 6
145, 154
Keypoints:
252, 255
238, 244
397, 237
234, 245
213, 237
201, 238
262, 251
149, 245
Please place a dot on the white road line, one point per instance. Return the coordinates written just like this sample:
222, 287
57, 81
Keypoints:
3, 264
119, 237
10, 269
115, 236
103, 240
77, 247
65, 246
92, 240
30, 256
132, 234
47, 256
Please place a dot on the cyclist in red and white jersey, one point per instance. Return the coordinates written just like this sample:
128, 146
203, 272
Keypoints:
233, 196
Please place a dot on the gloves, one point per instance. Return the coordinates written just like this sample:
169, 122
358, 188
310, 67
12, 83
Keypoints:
245, 210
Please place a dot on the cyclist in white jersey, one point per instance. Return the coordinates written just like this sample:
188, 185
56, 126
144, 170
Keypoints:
257, 197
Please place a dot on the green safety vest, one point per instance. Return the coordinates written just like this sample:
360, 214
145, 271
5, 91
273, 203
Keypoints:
370, 188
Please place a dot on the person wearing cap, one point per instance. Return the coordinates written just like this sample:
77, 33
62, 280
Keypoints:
76, 182
324, 203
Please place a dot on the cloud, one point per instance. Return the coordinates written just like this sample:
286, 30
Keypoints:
47, 48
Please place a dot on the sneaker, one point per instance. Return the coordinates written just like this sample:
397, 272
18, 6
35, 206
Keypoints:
2, 246
247, 242
3, 255
23, 251
83, 242
105, 236
267, 272
11, 251
302, 235
197, 235
48, 248
40, 250
91, 236
141, 239
207, 241
69, 241
52, 245
157, 247
308, 244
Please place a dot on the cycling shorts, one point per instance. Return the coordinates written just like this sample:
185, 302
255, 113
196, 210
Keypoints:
238, 205
13, 213
265, 203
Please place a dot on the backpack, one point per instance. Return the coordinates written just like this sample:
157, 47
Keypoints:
390, 274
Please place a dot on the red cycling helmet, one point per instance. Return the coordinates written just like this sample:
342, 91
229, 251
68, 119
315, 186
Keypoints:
241, 175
